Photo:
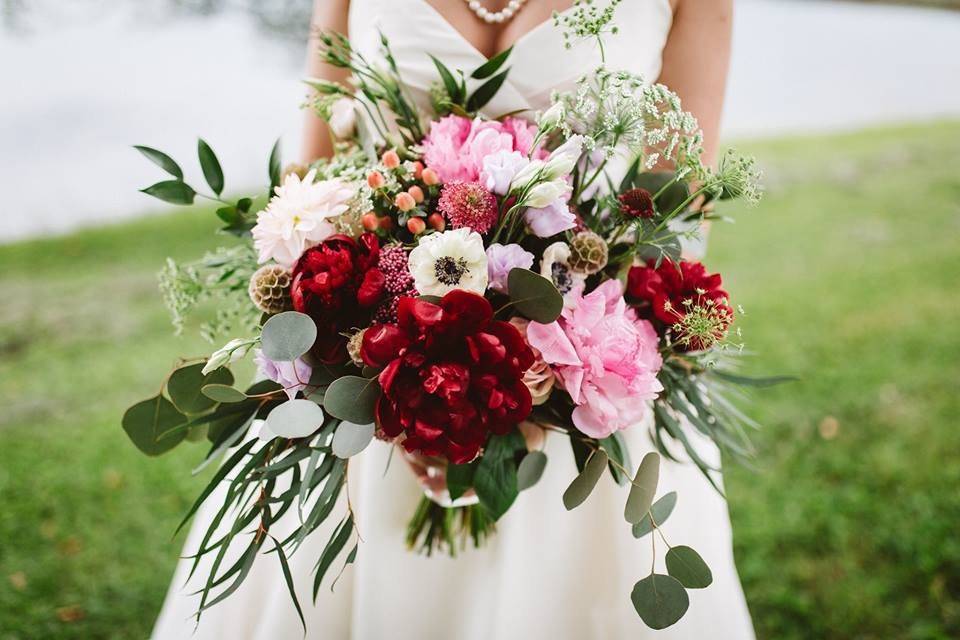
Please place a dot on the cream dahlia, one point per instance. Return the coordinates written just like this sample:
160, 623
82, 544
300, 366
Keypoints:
299, 216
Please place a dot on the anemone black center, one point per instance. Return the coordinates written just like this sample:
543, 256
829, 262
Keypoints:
450, 270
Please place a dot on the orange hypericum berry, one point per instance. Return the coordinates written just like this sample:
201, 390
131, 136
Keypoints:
375, 179
430, 177
390, 159
417, 170
404, 201
416, 192
386, 223
437, 222
370, 221
416, 226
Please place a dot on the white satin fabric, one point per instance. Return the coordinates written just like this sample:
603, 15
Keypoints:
547, 573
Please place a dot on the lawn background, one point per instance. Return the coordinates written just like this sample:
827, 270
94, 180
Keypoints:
847, 528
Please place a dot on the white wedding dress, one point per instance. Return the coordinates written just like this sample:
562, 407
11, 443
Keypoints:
547, 573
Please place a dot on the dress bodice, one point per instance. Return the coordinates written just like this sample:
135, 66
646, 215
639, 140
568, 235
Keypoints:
539, 63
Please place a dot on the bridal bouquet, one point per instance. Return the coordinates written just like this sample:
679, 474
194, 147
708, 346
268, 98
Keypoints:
453, 286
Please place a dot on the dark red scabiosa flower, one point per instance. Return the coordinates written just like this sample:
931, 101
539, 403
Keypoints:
338, 285
683, 300
452, 375
636, 203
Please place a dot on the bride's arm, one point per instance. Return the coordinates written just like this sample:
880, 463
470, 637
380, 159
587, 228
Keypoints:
695, 62
328, 15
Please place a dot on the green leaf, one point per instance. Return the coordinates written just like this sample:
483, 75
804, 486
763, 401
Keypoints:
616, 448
185, 387
531, 469
496, 478
295, 418
172, 191
274, 166
486, 91
686, 565
352, 398
330, 552
211, 166
660, 600
162, 160
350, 439
748, 381
223, 393
460, 478
287, 336
643, 489
671, 197
534, 296
449, 82
582, 486
661, 510
147, 422
288, 578
491, 66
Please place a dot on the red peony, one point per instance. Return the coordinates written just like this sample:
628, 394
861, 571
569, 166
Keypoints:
338, 285
451, 375
669, 294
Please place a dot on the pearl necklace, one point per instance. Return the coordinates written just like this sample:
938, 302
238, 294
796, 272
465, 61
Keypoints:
491, 17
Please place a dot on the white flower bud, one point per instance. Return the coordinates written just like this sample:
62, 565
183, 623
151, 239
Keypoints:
551, 117
564, 158
227, 354
343, 118
545, 193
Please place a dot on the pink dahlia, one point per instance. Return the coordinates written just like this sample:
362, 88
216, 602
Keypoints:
604, 356
468, 204
456, 146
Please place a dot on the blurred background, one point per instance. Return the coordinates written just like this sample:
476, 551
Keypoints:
847, 527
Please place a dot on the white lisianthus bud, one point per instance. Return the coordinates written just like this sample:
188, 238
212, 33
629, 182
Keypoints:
551, 117
546, 192
228, 354
527, 174
343, 118
564, 158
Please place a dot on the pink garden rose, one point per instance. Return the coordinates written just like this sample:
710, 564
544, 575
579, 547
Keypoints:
456, 146
604, 356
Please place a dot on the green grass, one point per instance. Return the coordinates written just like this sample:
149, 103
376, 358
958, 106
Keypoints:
847, 529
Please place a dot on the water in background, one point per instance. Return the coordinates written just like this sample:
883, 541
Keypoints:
78, 93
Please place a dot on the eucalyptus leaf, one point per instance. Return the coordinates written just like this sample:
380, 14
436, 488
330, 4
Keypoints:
686, 565
534, 296
530, 469
661, 510
582, 486
295, 419
172, 191
223, 393
660, 600
162, 160
185, 387
151, 425
350, 439
352, 398
211, 166
287, 336
643, 489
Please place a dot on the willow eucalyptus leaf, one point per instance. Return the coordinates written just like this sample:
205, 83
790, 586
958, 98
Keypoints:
582, 486
643, 489
531, 469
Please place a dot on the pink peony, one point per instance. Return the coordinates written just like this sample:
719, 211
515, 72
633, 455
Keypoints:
605, 357
456, 146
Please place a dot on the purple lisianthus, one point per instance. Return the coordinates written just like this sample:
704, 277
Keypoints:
551, 219
292, 376
501, 259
